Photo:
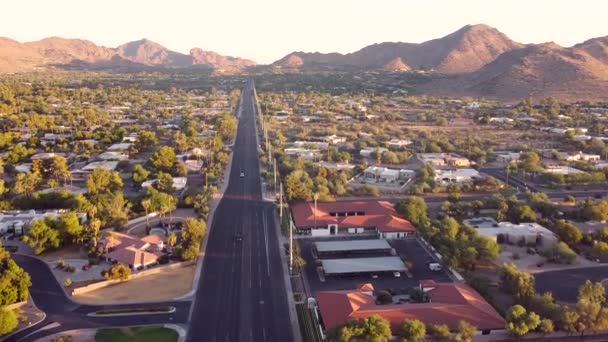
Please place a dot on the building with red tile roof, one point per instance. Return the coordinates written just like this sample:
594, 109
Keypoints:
350, 217
449, 303
132, 251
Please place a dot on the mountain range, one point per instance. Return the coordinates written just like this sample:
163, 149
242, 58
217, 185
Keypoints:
476, 60
78, 53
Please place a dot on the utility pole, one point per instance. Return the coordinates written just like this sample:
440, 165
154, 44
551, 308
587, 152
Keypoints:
274, 163
290, 247
281, 201
316, 197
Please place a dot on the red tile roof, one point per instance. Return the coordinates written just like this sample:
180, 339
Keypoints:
132, 256
375, 214
449, 304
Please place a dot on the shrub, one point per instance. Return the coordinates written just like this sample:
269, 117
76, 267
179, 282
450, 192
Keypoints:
67, 282
118, 272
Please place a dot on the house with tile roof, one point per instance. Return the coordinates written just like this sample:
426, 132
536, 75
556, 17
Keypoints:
137, 253
350, 217
448, 303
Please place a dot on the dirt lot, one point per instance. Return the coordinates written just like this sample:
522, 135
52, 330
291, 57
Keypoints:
156, 287
68, 252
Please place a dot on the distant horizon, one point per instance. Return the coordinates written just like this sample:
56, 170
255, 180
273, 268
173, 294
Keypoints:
269, 30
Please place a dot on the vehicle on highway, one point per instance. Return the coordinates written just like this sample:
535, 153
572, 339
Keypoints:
238, 237
397, 274
434, 266
242, 174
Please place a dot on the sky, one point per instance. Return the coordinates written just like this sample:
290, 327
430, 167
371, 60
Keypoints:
266, 30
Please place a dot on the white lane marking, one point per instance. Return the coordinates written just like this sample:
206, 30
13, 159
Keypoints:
266, 243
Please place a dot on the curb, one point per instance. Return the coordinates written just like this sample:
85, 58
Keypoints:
139, 313
29, 326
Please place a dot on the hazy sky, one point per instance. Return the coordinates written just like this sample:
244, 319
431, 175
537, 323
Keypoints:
265, 30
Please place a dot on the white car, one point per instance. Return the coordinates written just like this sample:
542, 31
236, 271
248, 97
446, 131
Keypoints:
242, 174
397, 274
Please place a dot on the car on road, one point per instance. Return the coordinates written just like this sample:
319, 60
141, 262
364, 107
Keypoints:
238, 237
242, 174
435, 267
397, 274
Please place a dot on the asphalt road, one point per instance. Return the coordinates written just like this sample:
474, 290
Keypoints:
565, 283
241, 294
63, 314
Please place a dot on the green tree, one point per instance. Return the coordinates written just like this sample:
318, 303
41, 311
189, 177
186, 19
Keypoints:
412, 330
41, 237
140, 174
119, 271
591, 307
163, 159
70, 227
600, 249
146, 140
465, 332
568, 232
414, 209
298, 185
164, 183
102, 181
530, 161
439, 332
546, 326
227, 127
193, 230
180, 141
372, 329
518, 283
26, 183
8, 321
520, 321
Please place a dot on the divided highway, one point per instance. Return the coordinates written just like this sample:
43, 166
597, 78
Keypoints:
241, 294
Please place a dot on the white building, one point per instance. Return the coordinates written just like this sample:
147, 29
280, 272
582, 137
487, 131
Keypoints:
108, 165
46, 155
179, 183
398, 143
312, 144
113, 155
507, 157
18, 221
375, 174
582, 156
562, 170
334, 139
513, 233
304, 153
446, 176
443, 159
120, 147
368, 151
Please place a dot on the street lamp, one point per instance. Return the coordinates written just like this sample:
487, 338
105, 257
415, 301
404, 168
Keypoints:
315, 196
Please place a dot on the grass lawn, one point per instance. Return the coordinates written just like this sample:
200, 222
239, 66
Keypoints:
136, 334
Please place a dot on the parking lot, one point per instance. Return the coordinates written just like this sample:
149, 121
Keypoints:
409, 248
564, 284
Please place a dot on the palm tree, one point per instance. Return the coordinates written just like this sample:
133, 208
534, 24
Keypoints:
147, 205
171, 240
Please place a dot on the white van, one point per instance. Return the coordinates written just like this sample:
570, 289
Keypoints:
434, 266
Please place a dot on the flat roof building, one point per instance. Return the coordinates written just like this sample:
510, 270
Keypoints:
352, 246
363, 265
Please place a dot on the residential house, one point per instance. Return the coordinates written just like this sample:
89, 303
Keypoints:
132, 251
529, 232
375, 174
